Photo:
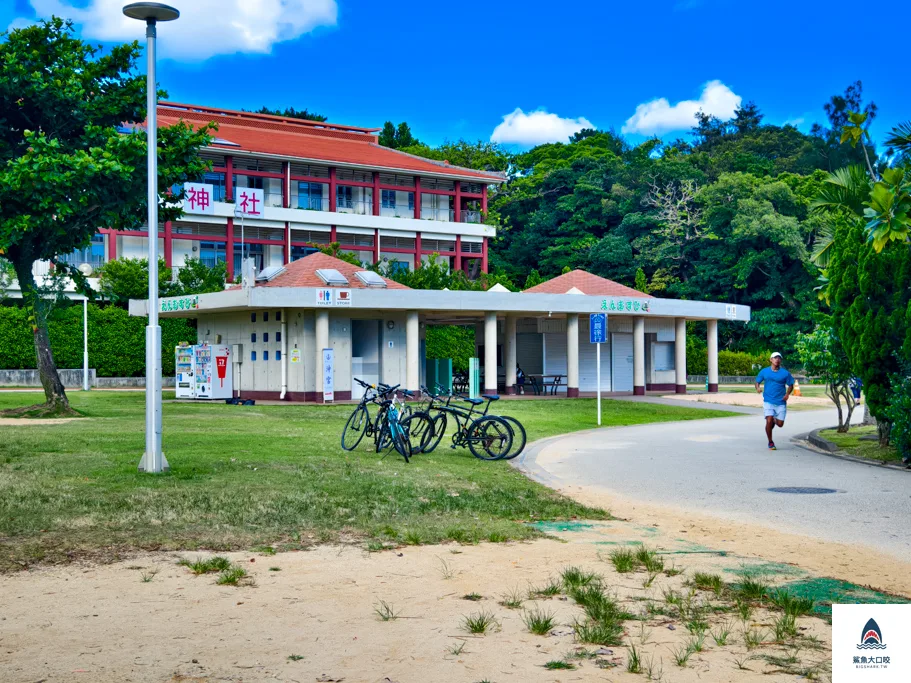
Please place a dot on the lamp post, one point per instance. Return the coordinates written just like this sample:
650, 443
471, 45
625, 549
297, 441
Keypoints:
153, 459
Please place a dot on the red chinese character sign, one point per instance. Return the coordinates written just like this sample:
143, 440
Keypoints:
249, 202
198, 198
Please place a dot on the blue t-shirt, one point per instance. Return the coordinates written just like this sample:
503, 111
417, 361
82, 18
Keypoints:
776, 384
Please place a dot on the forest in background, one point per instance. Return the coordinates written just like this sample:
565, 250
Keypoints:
723, 213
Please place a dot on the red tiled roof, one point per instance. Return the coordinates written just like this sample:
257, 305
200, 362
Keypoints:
587, 284
309, 140
302, 273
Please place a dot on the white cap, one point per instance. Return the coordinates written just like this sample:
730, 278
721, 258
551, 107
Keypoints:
775, 355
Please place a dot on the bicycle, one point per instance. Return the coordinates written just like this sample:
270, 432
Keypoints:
395, 423
520, 438
488, 437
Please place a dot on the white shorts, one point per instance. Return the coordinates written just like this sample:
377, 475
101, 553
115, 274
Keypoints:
776, 411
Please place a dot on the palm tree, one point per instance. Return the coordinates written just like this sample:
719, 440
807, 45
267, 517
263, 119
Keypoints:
845, 190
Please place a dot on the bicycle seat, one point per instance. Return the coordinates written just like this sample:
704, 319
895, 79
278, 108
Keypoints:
490, 397
474, 401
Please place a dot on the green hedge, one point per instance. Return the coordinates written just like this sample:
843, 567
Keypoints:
116, 340
451, 341
729, 362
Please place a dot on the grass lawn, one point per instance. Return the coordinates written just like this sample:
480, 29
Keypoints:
851, 444
809, 390
248, 476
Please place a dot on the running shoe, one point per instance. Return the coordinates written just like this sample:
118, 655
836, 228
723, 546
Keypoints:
772, 446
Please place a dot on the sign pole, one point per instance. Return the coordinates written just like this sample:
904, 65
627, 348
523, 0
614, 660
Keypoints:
598, 373
597, 335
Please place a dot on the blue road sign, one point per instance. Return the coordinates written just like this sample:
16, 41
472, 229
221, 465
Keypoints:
597, 328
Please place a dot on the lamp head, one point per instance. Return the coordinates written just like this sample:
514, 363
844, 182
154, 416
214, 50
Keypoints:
151, 12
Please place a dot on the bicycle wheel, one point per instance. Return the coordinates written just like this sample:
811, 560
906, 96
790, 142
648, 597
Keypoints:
419, 431
439, 428
489, 438
518, 437
355, 428
400, 441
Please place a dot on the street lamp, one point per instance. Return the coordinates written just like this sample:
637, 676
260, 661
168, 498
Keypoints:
153, 459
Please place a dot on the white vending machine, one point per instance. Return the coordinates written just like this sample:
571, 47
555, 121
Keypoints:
184, 386
204, 371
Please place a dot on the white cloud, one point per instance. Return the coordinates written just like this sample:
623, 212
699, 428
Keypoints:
794, 122
658, 116
536, 128
206, 27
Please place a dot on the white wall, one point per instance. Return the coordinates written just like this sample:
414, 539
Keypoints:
181, 250
136, 247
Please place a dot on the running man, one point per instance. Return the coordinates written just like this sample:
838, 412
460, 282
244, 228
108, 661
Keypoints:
779, 383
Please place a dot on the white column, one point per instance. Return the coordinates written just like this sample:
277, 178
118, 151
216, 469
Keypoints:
680, 354
639, 356
572, 355
322, 342
509, 349
712, 326
85, 344
412, 351
284, 350
490, 352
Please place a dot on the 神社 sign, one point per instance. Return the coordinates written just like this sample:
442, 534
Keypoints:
199, 198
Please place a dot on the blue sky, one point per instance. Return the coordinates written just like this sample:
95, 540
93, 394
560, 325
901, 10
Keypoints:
457, 69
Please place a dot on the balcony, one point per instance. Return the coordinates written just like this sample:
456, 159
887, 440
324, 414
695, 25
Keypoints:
359, 207
469, 216
432, 213
397, 211
309, 203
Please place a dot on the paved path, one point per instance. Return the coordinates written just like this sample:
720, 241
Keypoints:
722, 467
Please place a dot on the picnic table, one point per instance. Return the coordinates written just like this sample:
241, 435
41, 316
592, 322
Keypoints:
542, 383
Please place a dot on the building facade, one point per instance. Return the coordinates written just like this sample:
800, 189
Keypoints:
279, 324
280, 187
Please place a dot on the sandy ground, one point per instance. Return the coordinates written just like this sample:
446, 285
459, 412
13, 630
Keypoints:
107, 624
28, 421
149, 620
752, 400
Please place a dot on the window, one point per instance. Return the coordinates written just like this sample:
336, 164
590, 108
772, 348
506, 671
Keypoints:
388, 199
411, 201
278, 316
278, 336
254, 251
217, 181
265, 320
310, 196
253, 355
278, 355
253, 338
344, 198
253, 317
265, 337
265, 355
211, 253
398, 266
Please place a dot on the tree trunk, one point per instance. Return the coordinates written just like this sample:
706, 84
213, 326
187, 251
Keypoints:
38, 307
885, 432
832, 391
849, 402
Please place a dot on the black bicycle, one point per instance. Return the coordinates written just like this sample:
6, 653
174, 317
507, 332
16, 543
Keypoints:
488, 437
519, 436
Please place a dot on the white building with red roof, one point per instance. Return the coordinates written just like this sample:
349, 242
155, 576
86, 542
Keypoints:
281, 319
280, 187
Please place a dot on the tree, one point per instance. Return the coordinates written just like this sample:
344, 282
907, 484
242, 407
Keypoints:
125, 278
397, 137
334, 249
65, 168
291, 113
195, 277
823, 356
747, 118
641, 281
480, 155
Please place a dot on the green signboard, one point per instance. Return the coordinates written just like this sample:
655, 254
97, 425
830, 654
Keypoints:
179, 303
625, 305
474, 377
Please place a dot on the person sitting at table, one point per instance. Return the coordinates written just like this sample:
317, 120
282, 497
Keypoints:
520, 380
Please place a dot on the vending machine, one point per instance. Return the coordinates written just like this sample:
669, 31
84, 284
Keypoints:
204, 371
212, 368
184, 385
